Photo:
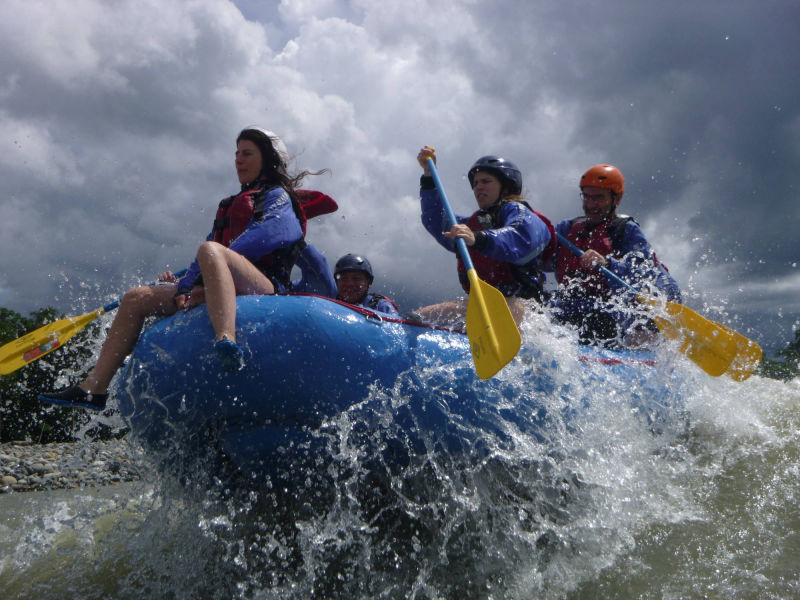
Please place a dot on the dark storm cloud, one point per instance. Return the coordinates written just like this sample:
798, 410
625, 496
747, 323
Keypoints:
117, 121
696, 102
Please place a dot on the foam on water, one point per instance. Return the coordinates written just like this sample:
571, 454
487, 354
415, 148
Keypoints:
594, 492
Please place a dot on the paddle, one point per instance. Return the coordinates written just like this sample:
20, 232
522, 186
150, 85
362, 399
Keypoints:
714, 347
493, 335
18, 353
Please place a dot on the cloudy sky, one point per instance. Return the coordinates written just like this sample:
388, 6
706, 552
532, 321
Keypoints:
118, 121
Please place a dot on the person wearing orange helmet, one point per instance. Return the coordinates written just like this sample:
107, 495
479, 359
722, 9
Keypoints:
601, 308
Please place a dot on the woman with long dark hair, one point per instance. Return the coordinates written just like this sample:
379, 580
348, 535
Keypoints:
251, 249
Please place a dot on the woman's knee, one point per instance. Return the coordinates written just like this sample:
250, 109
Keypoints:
135, 296
209, 251
146, 300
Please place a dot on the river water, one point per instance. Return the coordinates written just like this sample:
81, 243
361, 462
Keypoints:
701, 503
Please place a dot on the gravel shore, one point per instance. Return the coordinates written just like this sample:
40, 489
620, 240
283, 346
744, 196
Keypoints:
25, 466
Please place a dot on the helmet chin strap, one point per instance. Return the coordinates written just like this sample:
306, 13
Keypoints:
502, 195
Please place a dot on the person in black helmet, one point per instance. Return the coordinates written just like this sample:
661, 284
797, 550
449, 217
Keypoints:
251, 249
507, 240
353, 275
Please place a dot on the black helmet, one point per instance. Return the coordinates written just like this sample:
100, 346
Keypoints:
353, 262
505, 170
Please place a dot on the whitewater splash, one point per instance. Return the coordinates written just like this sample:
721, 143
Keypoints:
617, 497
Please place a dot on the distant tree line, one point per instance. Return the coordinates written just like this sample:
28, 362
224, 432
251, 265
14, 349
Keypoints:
22, 416
787, 363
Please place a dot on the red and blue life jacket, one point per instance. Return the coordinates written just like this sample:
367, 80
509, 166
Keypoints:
236, 212
605, 238
524, 281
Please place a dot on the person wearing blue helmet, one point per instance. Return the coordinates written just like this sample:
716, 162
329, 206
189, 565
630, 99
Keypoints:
353, 275
507, 240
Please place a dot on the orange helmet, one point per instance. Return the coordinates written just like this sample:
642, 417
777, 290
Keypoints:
604, 176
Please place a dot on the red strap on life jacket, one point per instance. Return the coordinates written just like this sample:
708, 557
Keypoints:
497, 272
233, 215
596, 238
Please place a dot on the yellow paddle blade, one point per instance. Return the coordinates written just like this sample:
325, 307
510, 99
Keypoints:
494, 338
747, 358
715, 348
18, 353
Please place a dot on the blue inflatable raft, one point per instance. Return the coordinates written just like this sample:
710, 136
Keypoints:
311, 360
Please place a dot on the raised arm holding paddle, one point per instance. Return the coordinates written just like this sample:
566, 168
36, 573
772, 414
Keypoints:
499, 248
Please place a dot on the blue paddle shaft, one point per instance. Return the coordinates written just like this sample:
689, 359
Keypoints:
578, 252
461, 245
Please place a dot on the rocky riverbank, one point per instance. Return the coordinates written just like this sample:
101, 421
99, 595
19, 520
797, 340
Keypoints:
25, 466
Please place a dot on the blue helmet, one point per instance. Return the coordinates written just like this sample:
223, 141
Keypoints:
353, 262
508, 173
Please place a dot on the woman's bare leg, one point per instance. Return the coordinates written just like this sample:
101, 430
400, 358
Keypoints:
227, 274
452, 313
137, 304
517, 308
